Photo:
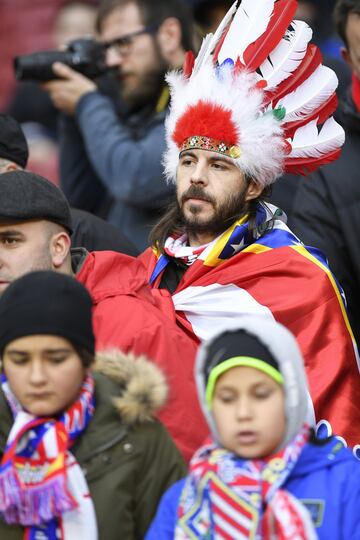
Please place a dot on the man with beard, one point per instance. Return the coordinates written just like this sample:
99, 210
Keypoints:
111, 148
221, 251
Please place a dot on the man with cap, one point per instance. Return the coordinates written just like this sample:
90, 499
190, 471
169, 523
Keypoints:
89, 231
237, 121
263, 473
72, 428
35, 229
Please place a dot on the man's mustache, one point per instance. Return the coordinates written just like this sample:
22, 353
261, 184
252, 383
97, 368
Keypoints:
196, 192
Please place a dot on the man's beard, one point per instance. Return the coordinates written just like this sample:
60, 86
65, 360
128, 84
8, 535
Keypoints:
148, 85
224, 215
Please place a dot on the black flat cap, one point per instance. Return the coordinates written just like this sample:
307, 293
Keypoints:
13, 145
25, 195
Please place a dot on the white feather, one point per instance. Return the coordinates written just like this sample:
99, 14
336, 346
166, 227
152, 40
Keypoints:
287, 56
250, 22
202, 53
308, 142
310, 94
214, 39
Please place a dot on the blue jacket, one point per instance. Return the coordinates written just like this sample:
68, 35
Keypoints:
102, 156
327, 481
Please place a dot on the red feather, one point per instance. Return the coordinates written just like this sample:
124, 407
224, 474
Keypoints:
304, 166
189, 62
257, 52
311, 61
322, 113
206, 120
220, 43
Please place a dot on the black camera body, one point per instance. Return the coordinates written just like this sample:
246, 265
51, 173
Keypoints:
85, 55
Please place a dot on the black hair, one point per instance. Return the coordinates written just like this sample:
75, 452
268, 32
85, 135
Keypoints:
343, 9
153, 13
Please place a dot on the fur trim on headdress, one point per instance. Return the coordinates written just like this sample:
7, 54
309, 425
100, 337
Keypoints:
144, 386
259, 136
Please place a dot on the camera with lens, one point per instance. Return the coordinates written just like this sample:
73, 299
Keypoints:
85, 55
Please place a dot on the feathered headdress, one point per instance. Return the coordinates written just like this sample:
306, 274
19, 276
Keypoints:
258, 93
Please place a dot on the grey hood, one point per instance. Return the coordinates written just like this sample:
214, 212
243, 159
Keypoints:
284, 348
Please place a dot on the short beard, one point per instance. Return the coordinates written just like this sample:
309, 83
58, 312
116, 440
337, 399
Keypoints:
149, 85
231, 209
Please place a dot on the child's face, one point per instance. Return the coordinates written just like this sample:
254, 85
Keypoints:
249, 411
44, 372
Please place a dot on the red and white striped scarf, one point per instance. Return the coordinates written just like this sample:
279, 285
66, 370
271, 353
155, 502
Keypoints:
177, 246
42, 486
230, 498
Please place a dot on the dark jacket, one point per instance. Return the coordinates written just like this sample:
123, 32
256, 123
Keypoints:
95, 234
128, 459
326, 213
326, 479
102, 155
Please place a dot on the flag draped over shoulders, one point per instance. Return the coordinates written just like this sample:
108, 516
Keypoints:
277, 276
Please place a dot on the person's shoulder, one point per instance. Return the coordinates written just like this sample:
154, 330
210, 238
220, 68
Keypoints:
329, 453
164, 523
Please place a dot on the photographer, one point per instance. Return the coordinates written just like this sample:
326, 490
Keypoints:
114, 145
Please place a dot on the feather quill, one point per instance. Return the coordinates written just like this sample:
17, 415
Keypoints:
288, 55
212, 40
320, 114
257, 52
249, 23
308, 142
310, 63
310, 95
305, 166
202, 53
221, 30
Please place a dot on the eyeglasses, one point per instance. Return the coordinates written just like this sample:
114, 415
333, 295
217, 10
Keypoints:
122, 45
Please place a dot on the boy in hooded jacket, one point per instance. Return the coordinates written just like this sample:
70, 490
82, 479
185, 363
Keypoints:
262, 474
82, 457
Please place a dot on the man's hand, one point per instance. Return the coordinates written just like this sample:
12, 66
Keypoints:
66, 92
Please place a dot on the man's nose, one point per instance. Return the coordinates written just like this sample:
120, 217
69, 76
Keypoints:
199, 175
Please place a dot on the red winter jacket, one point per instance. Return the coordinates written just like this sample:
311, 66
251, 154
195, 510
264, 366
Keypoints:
128, 317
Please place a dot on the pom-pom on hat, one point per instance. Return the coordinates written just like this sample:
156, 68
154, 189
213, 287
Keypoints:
256, 93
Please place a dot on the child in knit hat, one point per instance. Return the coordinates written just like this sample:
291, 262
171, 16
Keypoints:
262, 474
82, 457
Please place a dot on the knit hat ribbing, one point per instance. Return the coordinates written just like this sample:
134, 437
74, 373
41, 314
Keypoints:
50, 303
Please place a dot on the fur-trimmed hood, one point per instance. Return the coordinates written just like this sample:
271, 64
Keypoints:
143, 384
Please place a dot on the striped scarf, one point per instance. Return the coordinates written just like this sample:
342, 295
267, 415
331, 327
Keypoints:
42, 486
229, 498
176, 246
